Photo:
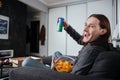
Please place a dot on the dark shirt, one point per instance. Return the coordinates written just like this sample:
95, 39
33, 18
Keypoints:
86, 55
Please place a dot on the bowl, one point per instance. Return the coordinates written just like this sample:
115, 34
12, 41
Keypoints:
64, 64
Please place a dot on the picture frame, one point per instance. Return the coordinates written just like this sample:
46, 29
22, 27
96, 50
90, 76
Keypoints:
4, 27
6, 54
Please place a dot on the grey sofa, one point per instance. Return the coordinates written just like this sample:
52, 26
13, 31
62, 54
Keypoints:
106, 67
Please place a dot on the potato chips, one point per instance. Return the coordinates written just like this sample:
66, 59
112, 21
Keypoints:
63, 66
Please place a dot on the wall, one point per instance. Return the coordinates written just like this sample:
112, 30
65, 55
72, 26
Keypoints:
118, 8
56, 40
76, 17
16, 11
43, 49
103, 6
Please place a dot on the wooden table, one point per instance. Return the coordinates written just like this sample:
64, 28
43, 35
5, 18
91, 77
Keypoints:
16, 62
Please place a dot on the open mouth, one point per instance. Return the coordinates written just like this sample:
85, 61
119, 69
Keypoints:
86, 34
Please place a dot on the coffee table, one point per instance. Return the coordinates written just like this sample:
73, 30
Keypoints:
16, 62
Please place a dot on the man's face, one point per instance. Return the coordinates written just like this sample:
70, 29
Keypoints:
92, 30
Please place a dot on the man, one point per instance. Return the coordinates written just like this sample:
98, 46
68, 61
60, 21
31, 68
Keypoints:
95, 39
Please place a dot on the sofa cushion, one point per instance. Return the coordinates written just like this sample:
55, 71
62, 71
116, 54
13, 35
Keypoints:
106, 65
30, 73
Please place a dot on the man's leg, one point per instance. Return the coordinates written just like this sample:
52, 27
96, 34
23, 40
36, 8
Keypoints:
29, 62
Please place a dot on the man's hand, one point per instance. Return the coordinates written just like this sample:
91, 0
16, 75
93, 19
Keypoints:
65, 24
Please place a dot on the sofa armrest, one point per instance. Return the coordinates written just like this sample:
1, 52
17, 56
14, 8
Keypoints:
106, 65
30, 73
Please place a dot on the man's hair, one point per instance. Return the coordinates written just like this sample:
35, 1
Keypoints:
104, 24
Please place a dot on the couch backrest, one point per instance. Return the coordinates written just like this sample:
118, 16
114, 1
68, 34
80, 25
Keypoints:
106, 65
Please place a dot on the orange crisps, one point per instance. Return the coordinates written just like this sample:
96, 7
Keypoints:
63, 66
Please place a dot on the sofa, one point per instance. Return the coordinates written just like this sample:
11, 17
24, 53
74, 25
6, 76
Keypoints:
105, 67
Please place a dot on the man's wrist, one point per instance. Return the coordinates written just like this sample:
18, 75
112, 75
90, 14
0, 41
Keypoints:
66, 26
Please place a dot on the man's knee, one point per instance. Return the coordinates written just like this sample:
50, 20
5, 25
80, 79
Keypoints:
26, 61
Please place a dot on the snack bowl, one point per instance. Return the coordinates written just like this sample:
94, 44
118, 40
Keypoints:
64, 64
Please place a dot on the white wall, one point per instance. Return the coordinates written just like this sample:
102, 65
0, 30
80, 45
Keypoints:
119, 16
43, 21
76, 17
102, 7
57, 40
118, 25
